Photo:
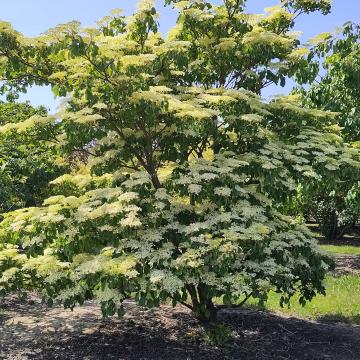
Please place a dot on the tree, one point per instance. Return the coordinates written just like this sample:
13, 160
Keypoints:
28, 162
336, 89
187, 167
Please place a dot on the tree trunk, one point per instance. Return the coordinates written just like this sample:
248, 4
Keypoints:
202, 304
329, 225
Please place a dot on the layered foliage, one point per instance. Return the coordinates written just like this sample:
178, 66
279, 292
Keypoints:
187, 169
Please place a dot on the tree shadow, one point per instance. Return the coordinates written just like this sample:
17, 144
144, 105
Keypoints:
340, 318
270, 336
35, 332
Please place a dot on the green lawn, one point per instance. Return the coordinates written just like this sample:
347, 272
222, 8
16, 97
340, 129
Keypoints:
342, 302
342, 249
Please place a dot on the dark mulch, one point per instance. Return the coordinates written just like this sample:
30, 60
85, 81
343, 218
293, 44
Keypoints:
344, 241
351, 238
32, 331
347, 264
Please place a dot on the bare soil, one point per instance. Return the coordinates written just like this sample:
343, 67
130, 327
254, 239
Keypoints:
30, 330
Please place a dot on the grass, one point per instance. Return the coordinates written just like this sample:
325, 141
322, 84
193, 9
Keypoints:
342, 249
341, 303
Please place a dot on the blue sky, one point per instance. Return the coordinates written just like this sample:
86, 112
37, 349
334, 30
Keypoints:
35, 16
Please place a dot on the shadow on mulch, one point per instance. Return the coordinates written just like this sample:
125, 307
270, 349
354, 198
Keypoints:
351, 238
167, 333
339, 318
344, 241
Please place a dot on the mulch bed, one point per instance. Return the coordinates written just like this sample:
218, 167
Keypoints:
32, 331
347, 264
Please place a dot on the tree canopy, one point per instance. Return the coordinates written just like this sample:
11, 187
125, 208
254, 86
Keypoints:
188, 169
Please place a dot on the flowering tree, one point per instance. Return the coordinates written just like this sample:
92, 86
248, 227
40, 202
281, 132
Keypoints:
187, 168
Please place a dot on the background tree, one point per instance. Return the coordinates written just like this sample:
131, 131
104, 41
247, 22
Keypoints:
187, 169
336, 56
28, 162
337, 85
